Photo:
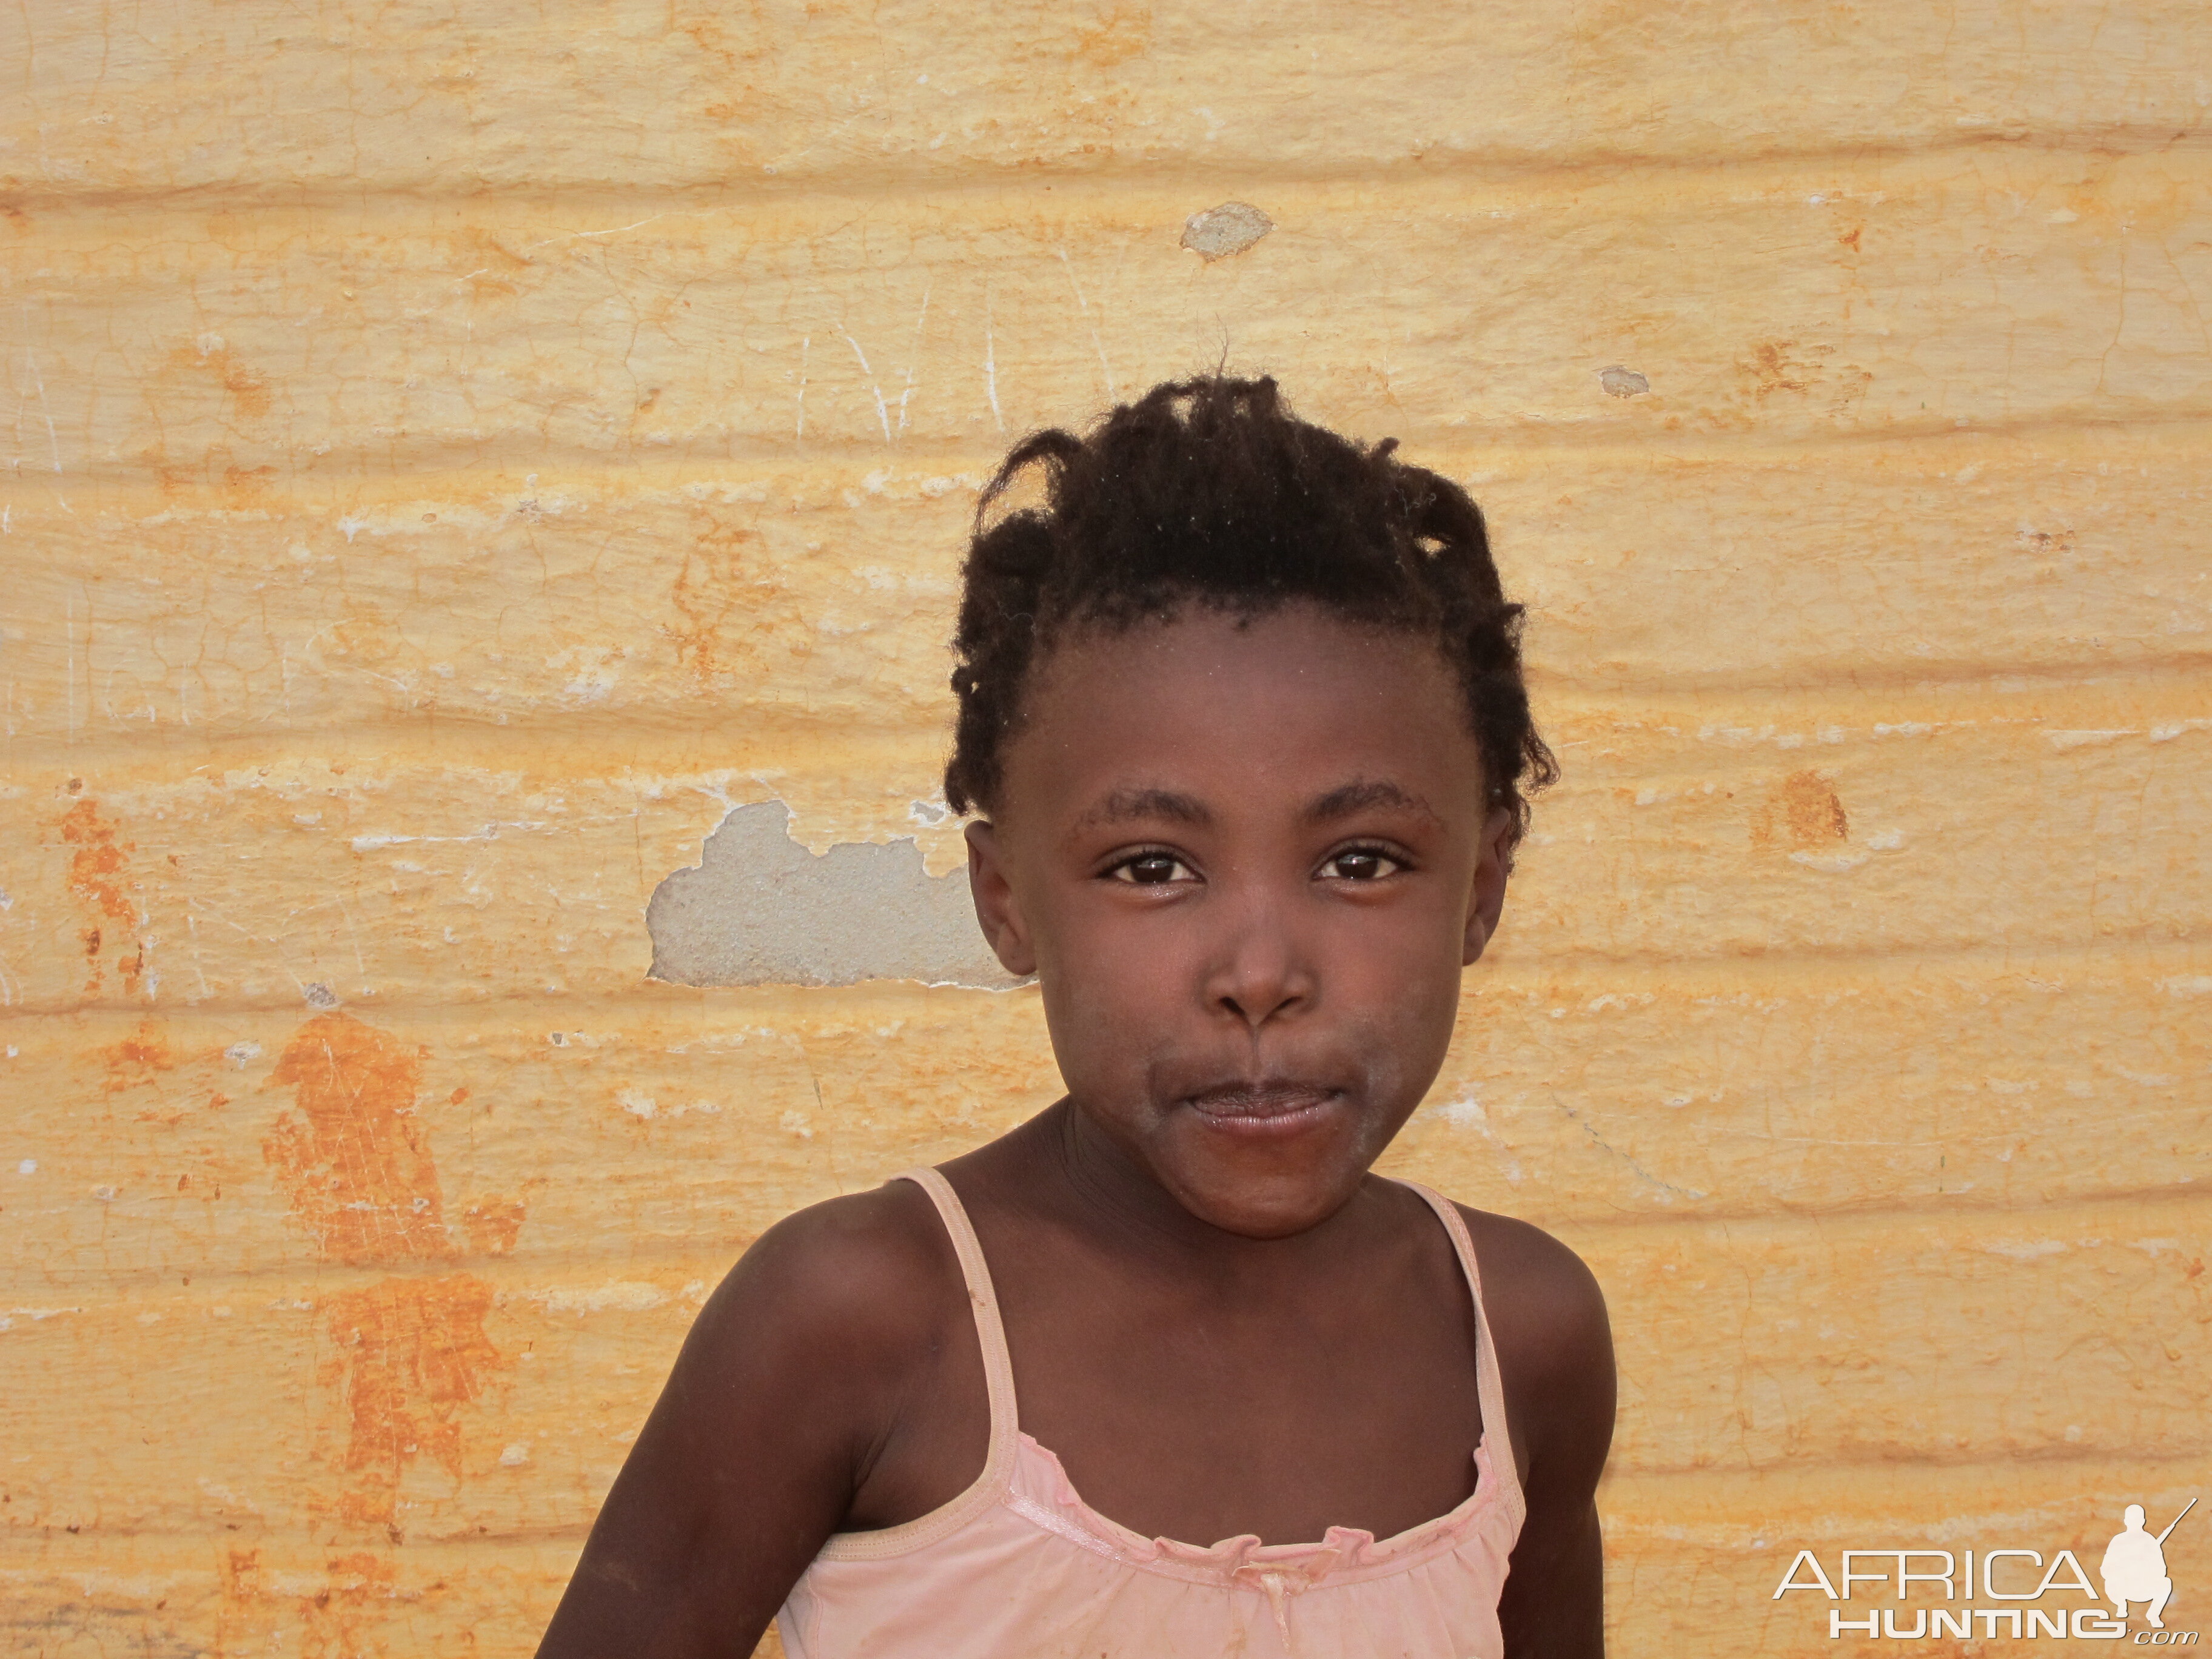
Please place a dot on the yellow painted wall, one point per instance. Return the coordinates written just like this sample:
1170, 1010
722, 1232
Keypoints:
449, 455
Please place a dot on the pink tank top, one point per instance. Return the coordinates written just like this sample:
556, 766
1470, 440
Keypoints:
1019, 1567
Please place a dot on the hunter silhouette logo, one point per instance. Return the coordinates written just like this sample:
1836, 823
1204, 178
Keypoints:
2014, 1582
2134, 1568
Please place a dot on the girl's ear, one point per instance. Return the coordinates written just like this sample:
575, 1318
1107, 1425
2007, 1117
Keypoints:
1485, 900
996, 908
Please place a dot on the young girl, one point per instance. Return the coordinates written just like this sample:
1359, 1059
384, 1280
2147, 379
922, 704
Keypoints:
1243, 721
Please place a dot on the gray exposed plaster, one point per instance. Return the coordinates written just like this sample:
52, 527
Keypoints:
759, 909
1220, 231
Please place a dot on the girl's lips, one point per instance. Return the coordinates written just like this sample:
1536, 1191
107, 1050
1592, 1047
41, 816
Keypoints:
1264, 1108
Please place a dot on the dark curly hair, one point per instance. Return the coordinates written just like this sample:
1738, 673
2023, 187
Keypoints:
1211, 491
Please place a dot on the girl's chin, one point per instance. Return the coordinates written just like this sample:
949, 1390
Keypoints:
1265, 1178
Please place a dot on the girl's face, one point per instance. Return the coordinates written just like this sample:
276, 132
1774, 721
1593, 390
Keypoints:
1247, 861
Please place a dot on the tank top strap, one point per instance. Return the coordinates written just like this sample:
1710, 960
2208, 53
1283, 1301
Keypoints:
990, 1331
1489, 1384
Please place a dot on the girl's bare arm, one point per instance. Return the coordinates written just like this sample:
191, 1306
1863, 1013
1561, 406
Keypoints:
779, 1409
1555, 1350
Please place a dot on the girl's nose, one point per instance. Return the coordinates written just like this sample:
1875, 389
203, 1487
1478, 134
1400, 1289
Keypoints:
1260, 972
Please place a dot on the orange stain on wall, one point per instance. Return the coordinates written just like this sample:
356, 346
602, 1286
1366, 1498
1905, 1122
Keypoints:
713, 590
96, 874
410, 1351
342, 1617
137, 1058
248, 391
356, 1159
493, 1224
1803, 811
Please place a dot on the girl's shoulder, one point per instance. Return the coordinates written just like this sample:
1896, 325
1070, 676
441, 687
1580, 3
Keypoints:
801, 1368
1547, 1315
1533, 1280
825, 1320
860, 1276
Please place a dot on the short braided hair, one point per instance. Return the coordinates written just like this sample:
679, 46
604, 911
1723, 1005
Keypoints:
1209, 491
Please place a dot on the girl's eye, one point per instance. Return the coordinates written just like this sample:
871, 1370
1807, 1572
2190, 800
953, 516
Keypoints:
1361, 863
1152, 869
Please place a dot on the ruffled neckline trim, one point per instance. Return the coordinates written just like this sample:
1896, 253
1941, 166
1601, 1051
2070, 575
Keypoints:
1341, 1554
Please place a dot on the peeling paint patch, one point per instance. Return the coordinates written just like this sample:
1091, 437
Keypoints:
1221, 231
1833, 864
759, 909
9, 1317
1622, 382
624, 1296
2084, 740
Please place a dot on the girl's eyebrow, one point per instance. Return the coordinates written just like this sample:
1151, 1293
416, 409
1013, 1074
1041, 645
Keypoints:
1123, 804
1364, 795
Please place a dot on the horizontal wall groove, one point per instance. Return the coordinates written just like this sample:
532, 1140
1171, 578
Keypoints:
429, 473
592, 479
675, 737
682, 1272
1792, 973
1460, 170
